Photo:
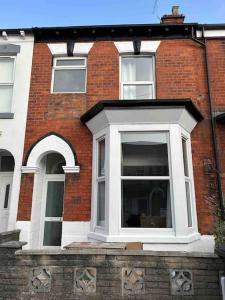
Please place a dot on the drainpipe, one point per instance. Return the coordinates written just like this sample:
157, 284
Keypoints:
213, 125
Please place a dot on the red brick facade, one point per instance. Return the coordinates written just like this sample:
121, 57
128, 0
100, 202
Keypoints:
180, 73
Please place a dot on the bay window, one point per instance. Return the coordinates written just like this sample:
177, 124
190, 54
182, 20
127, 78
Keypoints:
137, 77
6, 83
146, 192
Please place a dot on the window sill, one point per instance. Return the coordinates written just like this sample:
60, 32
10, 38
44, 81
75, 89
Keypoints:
171, 239
55, 93
6, 115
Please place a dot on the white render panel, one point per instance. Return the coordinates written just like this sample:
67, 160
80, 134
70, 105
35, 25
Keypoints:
61, 48
74, 231
24, 226
13, 130
211, 33
146, 46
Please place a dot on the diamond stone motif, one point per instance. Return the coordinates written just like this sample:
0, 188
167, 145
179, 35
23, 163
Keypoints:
132, 281
40, 280
85, 280
181, 282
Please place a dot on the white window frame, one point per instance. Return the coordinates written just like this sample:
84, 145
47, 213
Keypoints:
153, 178
54, 68
113, 231
122, 83
11, 84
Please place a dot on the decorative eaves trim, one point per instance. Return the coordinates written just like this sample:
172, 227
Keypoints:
146, 47
61, 48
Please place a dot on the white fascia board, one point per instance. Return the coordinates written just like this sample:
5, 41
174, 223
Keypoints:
146, 46
61, 48
211, 33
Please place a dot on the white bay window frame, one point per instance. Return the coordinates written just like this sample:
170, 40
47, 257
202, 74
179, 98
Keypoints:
113, 231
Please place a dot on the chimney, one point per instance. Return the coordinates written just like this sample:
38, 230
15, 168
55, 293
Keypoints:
174, 18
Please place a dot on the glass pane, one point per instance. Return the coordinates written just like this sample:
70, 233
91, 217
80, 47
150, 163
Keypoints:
141, 91
5, 98
146, 204
52, 234
101, 204
6, 70
184, 146
54, 202
144, 154
54, 163
188, 198
6, 163
70, 62
137, 69
101, 158
6, 202
69, 81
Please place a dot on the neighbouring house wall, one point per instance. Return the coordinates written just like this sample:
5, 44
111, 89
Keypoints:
180, 73
101, 274
12, 131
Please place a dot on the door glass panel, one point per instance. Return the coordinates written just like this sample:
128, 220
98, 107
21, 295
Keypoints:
54, 203
52, 233
6, 163
6, 202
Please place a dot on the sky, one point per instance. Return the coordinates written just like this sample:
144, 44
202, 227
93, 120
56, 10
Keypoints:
46, 13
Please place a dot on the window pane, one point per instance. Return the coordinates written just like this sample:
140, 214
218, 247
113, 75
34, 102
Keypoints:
6, 202
101, 158
54, 163
6, 70
146, 204
69, 81
141, 91
70, 62
144, 154
137, 69
52, 234
188, 198
184, 146
7, 163
101, 204
54, 202
5, 98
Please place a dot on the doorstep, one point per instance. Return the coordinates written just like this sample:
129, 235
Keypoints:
109, 246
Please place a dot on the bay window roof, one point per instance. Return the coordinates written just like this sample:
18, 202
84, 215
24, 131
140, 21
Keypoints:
181, 111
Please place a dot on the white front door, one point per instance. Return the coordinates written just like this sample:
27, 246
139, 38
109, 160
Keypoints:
53, 196
6, 179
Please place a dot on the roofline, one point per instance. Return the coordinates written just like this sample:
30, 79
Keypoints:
143, 104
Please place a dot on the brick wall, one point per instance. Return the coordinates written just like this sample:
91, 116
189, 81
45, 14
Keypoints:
180, 73
57, 275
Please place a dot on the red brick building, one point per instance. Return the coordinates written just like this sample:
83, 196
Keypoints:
124, 135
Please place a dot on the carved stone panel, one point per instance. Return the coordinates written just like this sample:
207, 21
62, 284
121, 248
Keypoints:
85, 280
133, 281
40, 280
181, 282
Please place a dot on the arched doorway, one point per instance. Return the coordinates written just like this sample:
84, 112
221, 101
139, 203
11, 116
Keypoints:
6, 178
52, 200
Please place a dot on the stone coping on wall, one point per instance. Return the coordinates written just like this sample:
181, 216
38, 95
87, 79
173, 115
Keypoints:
116, 252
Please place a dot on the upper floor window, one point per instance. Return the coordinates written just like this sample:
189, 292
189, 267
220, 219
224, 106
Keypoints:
6, 83
137, 77
69, 75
